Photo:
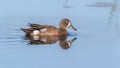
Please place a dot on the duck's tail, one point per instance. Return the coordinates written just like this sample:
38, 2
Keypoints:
27, 31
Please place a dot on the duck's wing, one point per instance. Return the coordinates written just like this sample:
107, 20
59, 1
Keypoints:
37, 26
33, 25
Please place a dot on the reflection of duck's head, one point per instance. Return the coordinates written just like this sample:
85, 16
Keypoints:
66, 44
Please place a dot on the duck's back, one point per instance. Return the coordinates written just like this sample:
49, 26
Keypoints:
49, 30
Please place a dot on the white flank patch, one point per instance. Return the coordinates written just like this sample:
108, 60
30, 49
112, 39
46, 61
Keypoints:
43, 30
35, 32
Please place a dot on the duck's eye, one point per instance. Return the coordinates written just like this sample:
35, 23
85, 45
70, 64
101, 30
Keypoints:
65, 23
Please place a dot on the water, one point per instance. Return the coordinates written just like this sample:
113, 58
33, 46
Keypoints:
98, 35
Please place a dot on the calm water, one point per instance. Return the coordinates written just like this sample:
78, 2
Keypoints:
98, 36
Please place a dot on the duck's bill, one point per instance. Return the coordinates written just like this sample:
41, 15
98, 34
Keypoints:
72, 40
73, 28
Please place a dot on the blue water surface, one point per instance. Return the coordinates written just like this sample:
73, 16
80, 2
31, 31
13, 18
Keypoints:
98, 34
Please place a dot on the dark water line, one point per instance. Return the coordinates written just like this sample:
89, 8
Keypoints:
10, 41
110, 19
11, 38
98, 5
14, 39
113, 9
13, 29
112, 15
8, 46
67, 4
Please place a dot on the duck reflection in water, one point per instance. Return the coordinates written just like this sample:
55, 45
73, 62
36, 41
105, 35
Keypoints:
48, 34
63, 42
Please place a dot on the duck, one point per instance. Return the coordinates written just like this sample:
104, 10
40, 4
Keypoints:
38, 30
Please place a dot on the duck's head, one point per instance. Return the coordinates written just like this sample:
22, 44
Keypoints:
66, 23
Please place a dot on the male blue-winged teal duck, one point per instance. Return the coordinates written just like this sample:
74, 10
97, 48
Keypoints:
49, 30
